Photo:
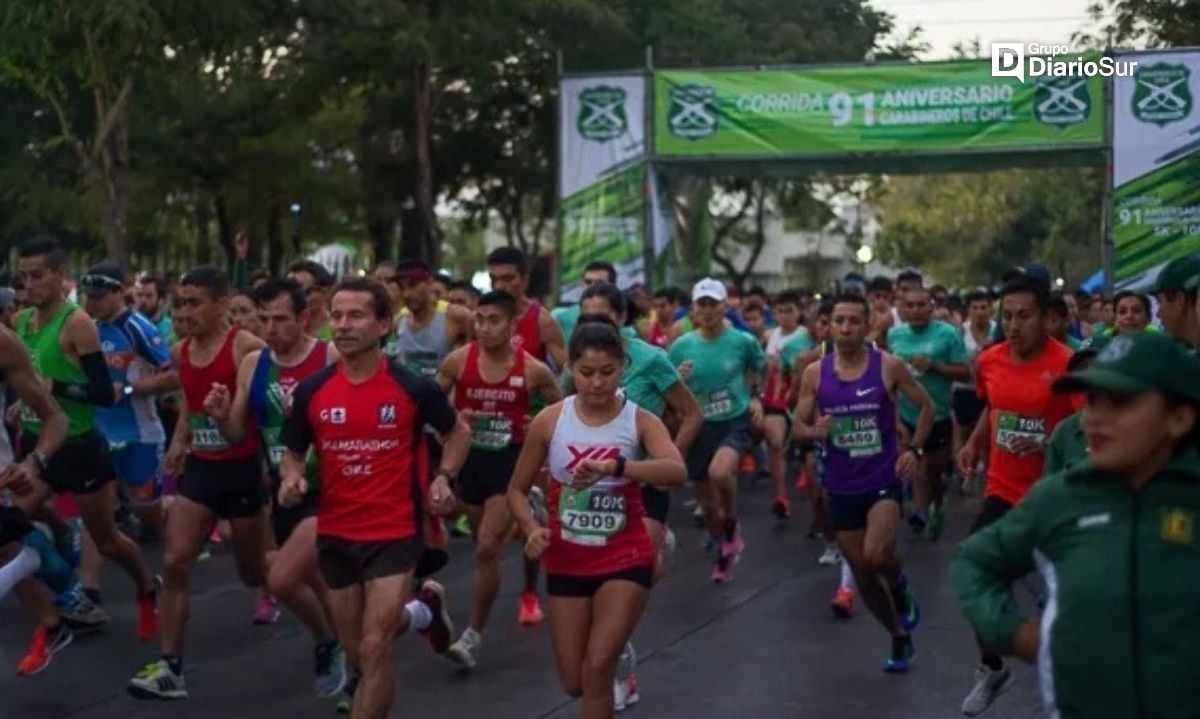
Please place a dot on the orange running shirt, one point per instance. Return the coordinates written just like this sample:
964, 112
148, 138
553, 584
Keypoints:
1020, 404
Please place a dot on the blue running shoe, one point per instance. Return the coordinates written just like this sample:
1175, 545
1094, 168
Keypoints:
908, 611
903, 652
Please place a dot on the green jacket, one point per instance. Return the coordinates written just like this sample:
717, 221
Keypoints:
1067, 446
1121, 628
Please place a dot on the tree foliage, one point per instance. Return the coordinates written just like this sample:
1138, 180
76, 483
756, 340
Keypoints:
967, 229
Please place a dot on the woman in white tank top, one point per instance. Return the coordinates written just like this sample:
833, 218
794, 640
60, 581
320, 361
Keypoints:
596, 551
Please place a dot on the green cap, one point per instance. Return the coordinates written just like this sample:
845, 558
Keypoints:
1088, 349
1132, 364
1175, 274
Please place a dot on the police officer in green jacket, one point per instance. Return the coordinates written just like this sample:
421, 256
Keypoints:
1068, 444
1117, 541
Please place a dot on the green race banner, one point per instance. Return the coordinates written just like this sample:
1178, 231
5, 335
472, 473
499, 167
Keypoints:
818, 112
1156, 165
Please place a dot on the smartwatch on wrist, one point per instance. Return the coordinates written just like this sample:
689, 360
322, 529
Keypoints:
620, 470
918, 451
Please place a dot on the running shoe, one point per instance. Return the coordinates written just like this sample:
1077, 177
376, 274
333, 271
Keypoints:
157, 681
710, 543
722, 571
831, 557
908, 611
989, 683
530, 612
669, 543
698, 515
266, 610
331, 672
917, 523
781, 507
747, 465
78, 611
732, 549
933, 528
46, 643
902, 655
148, 622
843, 603
461, 527
439, 631
465, 651
802, 481
625, 693
345, 702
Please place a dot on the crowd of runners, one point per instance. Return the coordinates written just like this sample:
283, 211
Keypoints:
337, 433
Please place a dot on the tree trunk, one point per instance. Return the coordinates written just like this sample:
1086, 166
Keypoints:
203, 217
412, 233
430, 245
275, 238
107, 173
225, 229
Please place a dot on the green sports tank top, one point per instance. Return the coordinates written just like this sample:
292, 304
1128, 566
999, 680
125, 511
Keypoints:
52, 362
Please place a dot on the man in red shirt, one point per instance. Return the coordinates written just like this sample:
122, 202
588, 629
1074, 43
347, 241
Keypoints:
493, 385
1013, 378
365, 417
536, 331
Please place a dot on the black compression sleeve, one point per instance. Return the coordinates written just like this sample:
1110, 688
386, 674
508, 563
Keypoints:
98, 390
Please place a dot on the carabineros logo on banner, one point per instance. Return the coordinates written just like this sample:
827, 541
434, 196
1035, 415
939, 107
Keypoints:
693, 114
1062, 101
602, 114
1161, 94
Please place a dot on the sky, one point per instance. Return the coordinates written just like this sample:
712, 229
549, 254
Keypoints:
945, 22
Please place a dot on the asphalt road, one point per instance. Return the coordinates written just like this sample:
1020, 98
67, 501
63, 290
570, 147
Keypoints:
765, 645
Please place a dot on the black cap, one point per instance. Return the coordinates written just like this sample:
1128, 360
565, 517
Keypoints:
102, 278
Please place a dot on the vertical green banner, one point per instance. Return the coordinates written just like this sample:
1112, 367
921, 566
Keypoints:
602, 179
1156, 165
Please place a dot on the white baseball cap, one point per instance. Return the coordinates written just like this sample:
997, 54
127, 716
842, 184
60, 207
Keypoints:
710, 288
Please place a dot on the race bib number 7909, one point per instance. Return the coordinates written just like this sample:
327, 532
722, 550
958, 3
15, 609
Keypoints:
590, 517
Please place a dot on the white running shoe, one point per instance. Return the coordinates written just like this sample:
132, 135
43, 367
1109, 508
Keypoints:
465, 651
988, 685
625, 693
831, 556
669, 543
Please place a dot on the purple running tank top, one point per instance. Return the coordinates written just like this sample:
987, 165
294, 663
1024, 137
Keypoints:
860, 453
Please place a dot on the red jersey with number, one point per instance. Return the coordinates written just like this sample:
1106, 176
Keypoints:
500, 408
207, 441
599, 529
1020, 406
528, 336
370, 447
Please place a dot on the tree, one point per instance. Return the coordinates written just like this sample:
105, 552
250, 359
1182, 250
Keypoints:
1156, 23
66, 50
992, 220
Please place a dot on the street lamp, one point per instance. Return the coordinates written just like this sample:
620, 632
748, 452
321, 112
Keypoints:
864, 255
